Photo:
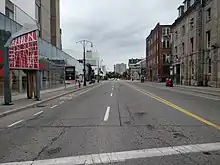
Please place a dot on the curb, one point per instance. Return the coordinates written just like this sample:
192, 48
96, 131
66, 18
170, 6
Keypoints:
39, 102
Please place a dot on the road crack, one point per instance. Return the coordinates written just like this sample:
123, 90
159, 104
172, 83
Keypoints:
48, 145
119, 113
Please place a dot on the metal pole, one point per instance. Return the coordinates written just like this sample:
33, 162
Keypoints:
38, 85
7, 90
98, 71
84, 63
64, 75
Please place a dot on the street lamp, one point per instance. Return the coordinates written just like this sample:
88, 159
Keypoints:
84, 44
99, 62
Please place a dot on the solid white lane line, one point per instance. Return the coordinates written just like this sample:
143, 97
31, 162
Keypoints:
13, 124
105, 158
107, 114
38, 113
53, 106
111, 94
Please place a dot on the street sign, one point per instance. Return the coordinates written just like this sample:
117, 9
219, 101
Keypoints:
23, 52
70, 73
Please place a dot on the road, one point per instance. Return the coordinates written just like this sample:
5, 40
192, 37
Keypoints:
115, 122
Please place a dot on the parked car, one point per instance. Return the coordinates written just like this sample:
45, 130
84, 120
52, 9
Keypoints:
169, 82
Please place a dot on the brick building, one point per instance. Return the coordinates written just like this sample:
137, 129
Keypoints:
158, 53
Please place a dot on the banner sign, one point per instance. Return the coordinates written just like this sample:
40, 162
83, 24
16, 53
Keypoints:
70, 73
23, 52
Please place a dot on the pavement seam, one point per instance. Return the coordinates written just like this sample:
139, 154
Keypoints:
119, 113
38, 103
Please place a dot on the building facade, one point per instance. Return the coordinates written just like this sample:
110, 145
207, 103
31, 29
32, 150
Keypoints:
45, 12
134, 68
158, 53
195, 43
52, 59
120, 68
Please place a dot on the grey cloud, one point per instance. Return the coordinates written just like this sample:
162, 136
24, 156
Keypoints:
117, 27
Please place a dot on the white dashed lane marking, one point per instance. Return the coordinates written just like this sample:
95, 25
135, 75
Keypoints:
105, 158
54, 106
15, 123
38, 113
107, 114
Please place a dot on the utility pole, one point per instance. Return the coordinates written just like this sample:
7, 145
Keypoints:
84, 44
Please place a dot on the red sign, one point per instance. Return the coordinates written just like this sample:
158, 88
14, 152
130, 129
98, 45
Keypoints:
23, 52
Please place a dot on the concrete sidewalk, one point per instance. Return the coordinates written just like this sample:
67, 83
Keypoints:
21, 102
203, 90
18, 96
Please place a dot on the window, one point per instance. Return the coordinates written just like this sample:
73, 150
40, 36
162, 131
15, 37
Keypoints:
183, 30
176, 35
164, 44
9, 13
192, 44
37, 13
209, 65
168, 31
164, 58
182, 67
168, 43
208, 39
164, 31
208, 14
191, 23
183, 48
176, 50
192, 67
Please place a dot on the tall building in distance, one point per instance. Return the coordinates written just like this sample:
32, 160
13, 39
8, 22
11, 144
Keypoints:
158, 53
134, 68
45, 12
120, 68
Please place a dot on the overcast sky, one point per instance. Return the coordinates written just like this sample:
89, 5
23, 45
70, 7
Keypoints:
117, 28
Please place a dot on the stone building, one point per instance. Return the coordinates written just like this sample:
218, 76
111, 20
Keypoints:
195, 47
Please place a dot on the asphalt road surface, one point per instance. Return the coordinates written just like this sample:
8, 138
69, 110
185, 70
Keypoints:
115, 122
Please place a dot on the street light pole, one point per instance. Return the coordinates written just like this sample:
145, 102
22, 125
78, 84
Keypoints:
84, 43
